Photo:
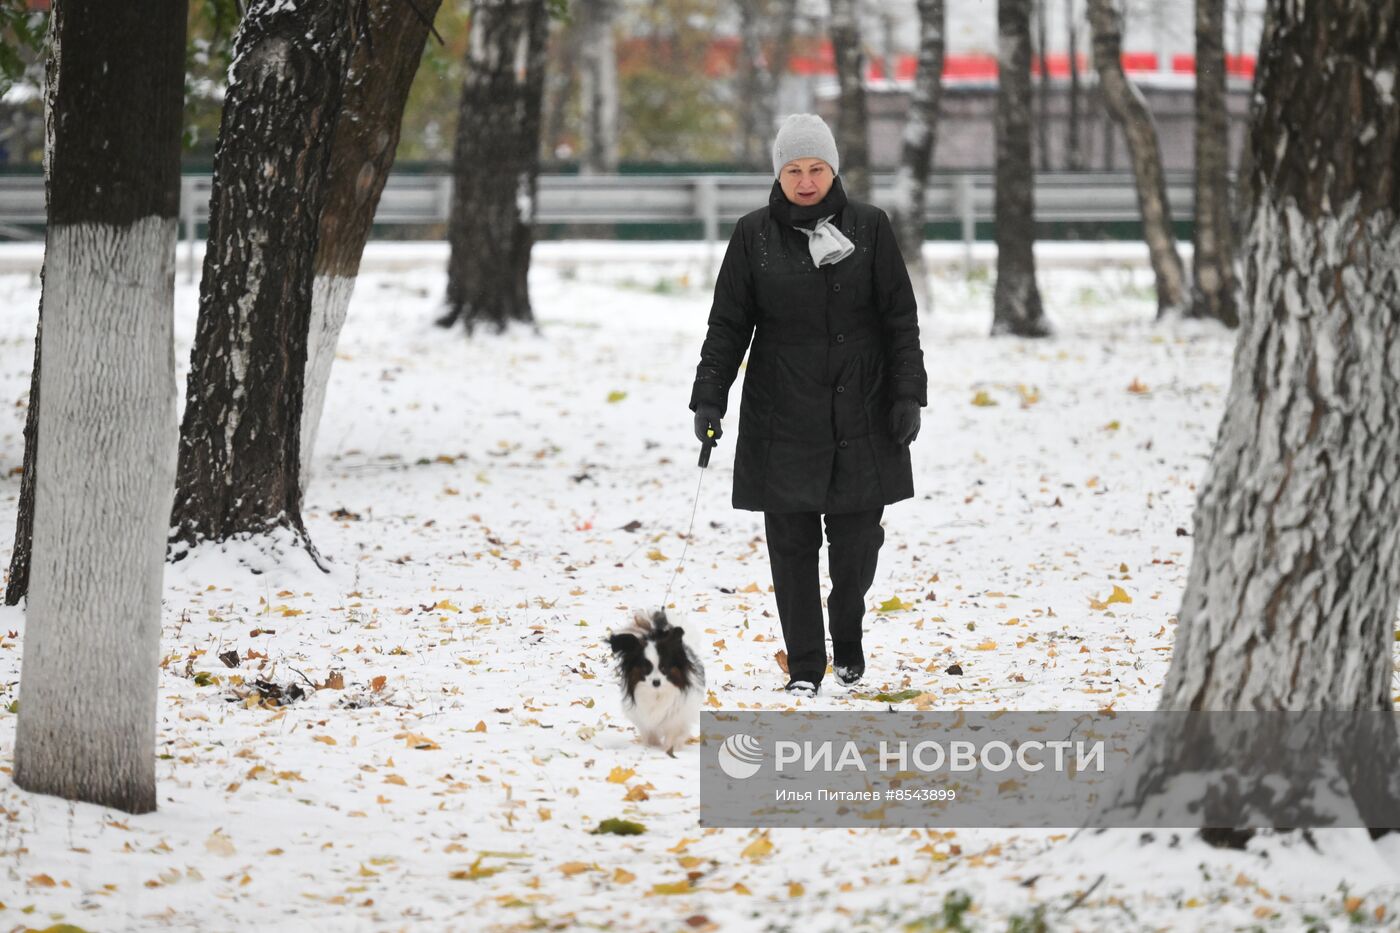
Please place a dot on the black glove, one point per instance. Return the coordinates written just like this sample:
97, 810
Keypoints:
707, 416
904, 420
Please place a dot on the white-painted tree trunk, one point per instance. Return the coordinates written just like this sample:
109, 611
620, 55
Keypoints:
330, 299
105, 481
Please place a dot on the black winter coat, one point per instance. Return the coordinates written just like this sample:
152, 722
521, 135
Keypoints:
832, 348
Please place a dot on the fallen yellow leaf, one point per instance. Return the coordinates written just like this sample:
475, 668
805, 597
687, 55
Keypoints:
758, 848
674, 887
1119, 595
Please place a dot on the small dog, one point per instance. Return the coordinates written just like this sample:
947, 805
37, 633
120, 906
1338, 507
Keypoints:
661, 679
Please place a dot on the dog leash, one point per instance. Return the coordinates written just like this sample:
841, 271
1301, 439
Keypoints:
705, 447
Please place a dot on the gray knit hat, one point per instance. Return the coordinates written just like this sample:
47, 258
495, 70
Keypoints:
805, 136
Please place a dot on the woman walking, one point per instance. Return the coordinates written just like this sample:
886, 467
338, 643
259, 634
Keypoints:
831, 394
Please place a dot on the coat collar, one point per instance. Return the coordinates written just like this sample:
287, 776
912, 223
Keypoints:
805, 215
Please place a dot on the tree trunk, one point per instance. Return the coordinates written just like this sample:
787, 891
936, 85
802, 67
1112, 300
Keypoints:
559, 85
496, 165
598, 87
761, 74
852, 122
1213, 264
366, 136
1042, 88
920, 136
1109, 130
1016, 300
752, 128
1290, 600
18, 585
1129, 109
1074, 156
1243, 207
240, 441
106, 451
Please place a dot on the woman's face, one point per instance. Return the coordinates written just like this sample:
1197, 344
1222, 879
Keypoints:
806, 181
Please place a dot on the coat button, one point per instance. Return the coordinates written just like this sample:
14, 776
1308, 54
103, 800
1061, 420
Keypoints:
840, 338
836, 287
840, 389
843, 443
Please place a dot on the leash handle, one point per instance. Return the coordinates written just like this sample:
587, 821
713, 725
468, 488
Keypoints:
706, 446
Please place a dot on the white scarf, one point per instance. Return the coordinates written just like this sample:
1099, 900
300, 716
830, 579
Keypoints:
827, 243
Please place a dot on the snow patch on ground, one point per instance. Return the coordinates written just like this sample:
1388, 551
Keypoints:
460, 735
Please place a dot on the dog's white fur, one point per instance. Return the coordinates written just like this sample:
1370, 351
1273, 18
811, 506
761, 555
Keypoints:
664, 714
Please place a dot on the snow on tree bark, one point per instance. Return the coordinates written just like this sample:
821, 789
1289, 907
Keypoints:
104, 463
496, 165
1129, 109
380, 74
852, 118
1291, 596
240, 441
920, 137
1016, 299
598, 94
1213, 262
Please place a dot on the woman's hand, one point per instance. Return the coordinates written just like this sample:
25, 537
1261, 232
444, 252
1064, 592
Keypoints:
706, 417
904, 420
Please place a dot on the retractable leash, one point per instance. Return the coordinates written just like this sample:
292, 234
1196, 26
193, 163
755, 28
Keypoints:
705, 447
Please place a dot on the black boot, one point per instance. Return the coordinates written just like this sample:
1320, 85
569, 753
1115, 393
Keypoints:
847, 661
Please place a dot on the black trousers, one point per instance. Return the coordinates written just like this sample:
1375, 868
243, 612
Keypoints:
794, 544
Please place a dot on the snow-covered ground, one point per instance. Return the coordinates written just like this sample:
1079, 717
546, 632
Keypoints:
472, 496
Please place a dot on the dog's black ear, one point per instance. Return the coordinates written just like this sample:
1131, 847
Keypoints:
672, 633
624, 644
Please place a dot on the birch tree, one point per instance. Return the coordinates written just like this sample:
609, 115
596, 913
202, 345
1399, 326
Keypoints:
1125, 102
1290, 600
496, 165
766, 35
852, 120
240, 440
103, 471
381, 70
598, 86
1213, 262
920, 137
1016, 298
1074, 144
1042, 87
